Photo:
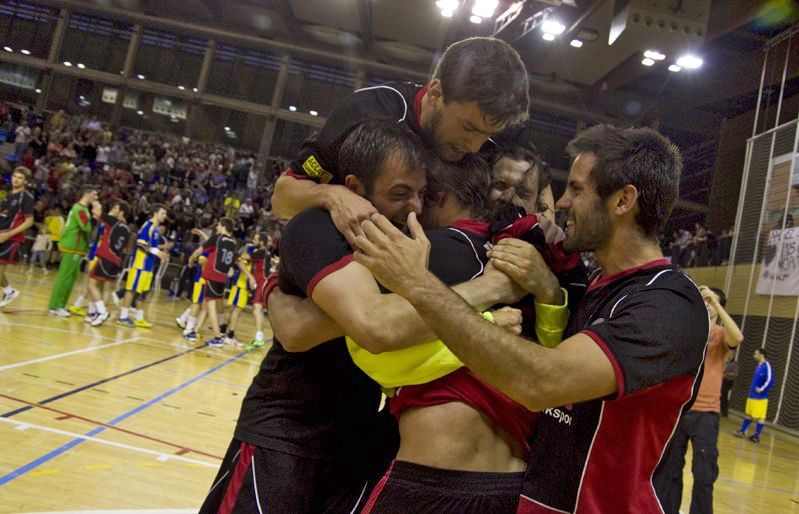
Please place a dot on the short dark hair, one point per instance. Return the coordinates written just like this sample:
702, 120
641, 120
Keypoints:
487, 71
124, 207
228, 224
763, 352
638, 156
87, 188
721, 295
157, 207
365, 150
263, 236
469, 180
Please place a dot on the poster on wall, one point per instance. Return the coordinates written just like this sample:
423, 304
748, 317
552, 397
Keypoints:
779, 271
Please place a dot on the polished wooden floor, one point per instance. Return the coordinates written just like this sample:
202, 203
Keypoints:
113, 419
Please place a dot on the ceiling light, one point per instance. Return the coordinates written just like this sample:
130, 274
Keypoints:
67, 63
648, 62
548, 37
553, 27
195, 89
227, 129
313, 113
81, 65
654, 55
475, 19
140, 113
675, 68
576, 43
38, 91
292, 108
485, 8
181, 88
446, 14
82, 97
8, 49
26, 52
141, 77
447, 5
689, 61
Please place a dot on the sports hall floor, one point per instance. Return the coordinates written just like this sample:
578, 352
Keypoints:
112, 419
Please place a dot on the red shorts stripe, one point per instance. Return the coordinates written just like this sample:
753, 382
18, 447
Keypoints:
234, 486
376, 491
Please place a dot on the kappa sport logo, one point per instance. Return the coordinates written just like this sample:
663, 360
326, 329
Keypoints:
559, 415
315, 170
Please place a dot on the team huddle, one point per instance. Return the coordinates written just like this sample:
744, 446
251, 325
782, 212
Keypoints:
438, 344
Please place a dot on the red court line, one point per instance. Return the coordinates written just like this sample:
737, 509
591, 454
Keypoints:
182, 450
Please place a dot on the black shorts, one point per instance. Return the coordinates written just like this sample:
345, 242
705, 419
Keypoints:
408, 487
253, 479
10, 252
214, 290
105, 271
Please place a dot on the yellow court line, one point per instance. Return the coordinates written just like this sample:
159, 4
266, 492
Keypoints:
45, 472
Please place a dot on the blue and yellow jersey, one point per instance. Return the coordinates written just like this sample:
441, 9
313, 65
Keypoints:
147, 238
239, 278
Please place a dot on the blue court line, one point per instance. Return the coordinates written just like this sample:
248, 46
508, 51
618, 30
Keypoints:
58, 451
93, 384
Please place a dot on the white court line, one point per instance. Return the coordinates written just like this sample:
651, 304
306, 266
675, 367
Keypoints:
161, 456
65, 354
53, 329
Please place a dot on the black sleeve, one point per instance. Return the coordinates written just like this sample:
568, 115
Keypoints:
108, 219
211, 242
310, 249
454, 256
119, 238
655, 334
27, 204
318, 157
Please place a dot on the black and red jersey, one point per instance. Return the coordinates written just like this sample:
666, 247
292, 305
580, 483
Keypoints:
221, 253
14, 210
115, 237
601, 455
261, 263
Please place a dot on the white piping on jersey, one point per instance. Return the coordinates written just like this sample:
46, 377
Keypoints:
544, 505
656, 277
405, 113
358, 503
588, 455
476, 255
235, 457
255, 485
616, 305
768, 376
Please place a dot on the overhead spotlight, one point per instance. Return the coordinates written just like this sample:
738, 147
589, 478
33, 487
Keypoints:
195, 89
38, 91
82, 97
484, 8
446, 14
689, 61
313, 113
576, 43
67, 63
293, 108
140, 113
476, 19
675, 68
447, 5
553, 27
81, 66
8, 49
654, 55
648, 62
548, 37
227, 129
181, 88
140, 76
25, 52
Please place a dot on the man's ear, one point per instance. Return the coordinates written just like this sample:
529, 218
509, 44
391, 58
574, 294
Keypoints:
626, 200
435, 92
355, 185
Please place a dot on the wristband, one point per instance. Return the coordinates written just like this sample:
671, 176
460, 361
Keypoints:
488, 317
551, 320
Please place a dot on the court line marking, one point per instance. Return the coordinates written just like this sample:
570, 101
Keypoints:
54, 329
160, 456
66, 354
8, 477
68, 415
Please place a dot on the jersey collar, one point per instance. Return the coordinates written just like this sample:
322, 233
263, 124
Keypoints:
601, 281
479, 228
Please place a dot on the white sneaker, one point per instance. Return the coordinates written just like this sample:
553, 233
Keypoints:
100, 318
90, 317
115, 298
9, 298
61, 313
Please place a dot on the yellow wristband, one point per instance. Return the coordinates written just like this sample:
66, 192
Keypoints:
488, 316
550, 321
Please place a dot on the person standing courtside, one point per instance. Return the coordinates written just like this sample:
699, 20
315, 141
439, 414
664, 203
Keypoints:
612, 392
757, 401
16, 216
700, 425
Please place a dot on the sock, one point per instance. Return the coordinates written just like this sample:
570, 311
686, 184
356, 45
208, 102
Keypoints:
139, 314
100, 306
745, 425
185, 316
259, 336
123, 313
8, 289
758, 429
79, 302
91, 308
191, 325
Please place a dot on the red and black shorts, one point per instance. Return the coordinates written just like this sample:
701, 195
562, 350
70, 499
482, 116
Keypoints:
214, 290
106, 271
408, 487
10, 252
252, 479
